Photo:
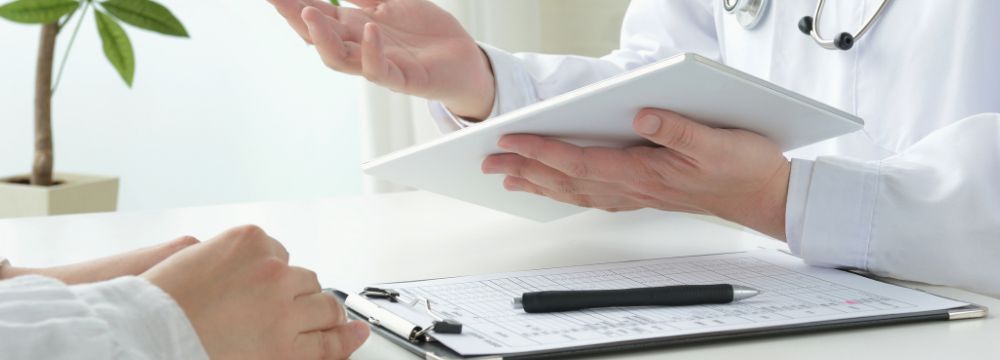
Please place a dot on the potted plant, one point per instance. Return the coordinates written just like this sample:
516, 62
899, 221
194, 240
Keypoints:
44, 192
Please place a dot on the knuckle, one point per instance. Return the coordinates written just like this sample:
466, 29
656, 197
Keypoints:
370, 75
536, 191
681, 135
249, 231
579, 169
331, 63
643, 197
582, 201
512, 183
273, 268
337, 311
310, 276
332, 346
647, 191
566, 185
324, 348
646, 165
518, 166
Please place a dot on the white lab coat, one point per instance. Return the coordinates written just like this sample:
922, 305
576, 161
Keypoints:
914, 196
124, 318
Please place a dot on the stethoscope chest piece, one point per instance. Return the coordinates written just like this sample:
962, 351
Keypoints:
748, 12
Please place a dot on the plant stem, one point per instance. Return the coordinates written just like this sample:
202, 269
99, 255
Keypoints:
69, 47
41, 172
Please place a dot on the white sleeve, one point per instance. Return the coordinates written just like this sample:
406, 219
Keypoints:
929, 214
124, 318
652, 30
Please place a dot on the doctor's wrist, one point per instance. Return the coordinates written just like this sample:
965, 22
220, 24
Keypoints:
765, 210
475, 103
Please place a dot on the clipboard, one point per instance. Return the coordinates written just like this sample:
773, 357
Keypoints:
428, 348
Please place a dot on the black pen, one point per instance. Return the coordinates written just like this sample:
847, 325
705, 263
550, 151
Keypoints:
680, 295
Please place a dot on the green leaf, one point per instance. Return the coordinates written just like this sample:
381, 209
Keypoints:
37, 11
117, 47
335, 2
147, 15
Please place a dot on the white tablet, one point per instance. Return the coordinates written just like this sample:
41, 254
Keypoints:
601, 114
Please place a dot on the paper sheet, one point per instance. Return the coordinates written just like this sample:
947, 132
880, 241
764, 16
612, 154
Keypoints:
793, 293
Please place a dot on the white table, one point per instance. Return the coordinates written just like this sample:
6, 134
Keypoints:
418, 235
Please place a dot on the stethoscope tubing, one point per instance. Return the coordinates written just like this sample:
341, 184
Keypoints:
829, 43
750, 12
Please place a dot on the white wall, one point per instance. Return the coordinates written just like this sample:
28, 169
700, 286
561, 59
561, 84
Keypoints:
589, 27
242, 111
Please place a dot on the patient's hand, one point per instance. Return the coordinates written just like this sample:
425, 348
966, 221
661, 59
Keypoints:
131, 263
409, 46
245, 302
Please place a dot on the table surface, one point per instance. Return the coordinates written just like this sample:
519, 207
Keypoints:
408, 236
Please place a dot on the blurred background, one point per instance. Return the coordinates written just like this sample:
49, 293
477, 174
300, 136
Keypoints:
244, 110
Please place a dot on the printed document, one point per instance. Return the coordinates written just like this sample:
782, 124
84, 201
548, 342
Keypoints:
792, 293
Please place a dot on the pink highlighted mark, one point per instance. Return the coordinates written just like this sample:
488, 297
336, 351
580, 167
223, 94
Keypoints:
852, 302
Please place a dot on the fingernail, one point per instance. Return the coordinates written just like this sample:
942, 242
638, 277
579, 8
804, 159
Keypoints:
648, 124
359, 330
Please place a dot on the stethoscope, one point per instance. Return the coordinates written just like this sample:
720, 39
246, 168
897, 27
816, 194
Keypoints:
750, 12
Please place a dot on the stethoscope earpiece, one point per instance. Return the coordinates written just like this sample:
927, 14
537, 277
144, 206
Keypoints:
806, 25
845, 41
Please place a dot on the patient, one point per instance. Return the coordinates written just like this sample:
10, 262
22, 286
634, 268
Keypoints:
232, 297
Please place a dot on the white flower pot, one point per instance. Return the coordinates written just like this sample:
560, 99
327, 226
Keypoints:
74, 194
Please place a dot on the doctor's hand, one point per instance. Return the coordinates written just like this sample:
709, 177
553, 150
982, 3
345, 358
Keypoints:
408, 46
733, 174
246, 302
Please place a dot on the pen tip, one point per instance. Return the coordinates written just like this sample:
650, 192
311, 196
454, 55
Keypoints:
517, 303
743, 292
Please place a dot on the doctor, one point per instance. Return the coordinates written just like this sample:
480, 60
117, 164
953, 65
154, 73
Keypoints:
915, 196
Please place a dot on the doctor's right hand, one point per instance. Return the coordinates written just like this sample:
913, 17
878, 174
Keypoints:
408, 46
245, 302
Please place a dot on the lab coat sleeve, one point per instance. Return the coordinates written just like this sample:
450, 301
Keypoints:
124, 318
929, 214
652, 30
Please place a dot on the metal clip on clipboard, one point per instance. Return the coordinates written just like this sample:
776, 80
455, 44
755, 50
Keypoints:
401, 327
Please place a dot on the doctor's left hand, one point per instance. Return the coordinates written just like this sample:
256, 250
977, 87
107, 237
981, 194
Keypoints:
733, 174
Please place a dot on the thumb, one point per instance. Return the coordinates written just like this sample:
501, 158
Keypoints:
343, 340
673, 131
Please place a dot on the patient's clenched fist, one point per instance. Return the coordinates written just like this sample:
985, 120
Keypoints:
246, 302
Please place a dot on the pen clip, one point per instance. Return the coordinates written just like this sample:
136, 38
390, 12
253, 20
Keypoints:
439, 324
379, 293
